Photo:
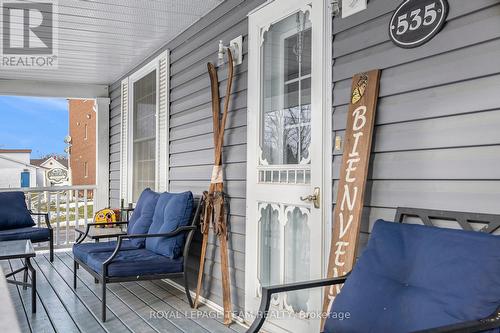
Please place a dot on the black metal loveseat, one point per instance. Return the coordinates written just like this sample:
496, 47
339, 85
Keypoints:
416, 278
132, 258
16, 221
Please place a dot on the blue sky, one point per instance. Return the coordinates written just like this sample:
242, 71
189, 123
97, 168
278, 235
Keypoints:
33, 123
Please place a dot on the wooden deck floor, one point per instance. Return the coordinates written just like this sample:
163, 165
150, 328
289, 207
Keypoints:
130, 304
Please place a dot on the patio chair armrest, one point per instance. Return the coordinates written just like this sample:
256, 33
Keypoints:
46, 215
267, 293
470, 326
167, 234
113, 255
87, 228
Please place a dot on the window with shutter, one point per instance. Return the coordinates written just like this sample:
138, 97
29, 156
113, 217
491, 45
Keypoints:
145, 117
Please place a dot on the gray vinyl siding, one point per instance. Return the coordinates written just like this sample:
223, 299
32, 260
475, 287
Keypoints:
191, 138
437, 142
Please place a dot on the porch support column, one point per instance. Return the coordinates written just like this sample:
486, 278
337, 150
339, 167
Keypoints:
101, 195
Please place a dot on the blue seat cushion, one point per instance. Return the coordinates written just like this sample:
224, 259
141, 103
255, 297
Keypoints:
82, 251
33, 233
173, 210
413, 277
142, 217
138, 262
13, 211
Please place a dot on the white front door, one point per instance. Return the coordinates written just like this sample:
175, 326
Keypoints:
286, 159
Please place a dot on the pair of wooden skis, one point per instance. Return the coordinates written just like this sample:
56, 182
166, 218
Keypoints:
214, 208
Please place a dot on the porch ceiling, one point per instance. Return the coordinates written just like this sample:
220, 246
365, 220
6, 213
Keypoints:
100, 40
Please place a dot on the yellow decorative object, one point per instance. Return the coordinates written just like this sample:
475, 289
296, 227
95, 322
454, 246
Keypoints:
105, 216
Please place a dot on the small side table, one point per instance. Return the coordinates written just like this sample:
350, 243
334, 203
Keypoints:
98, 233
21, 249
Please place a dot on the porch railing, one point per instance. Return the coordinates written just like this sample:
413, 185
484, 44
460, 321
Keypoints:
69, 207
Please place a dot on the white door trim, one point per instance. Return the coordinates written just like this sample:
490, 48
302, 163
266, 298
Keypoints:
327, 81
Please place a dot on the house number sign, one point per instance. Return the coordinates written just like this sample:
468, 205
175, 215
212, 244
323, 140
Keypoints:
415, 22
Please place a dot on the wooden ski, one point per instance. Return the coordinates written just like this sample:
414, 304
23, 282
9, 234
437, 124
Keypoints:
215, 202
208, 207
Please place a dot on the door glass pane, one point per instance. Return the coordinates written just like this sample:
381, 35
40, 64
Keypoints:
286, 91
144, 134
297, 254
270, 245
285, 242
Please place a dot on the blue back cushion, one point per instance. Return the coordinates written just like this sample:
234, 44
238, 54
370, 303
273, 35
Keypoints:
413, 277
13, 211
172, 211
142, 217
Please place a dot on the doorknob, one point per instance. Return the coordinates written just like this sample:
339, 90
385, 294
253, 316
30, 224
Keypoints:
315, 197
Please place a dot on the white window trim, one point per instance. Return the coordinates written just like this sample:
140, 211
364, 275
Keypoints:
162, 152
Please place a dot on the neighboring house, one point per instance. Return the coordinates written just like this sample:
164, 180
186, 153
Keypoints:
82, 140
56, 172
17, 171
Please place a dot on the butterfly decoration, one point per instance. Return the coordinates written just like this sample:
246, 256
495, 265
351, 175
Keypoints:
360, 89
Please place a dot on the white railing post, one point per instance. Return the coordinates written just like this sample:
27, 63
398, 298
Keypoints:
77, 210
57, 219
85, 206
38, 205
67, 215
47, 204
29, 200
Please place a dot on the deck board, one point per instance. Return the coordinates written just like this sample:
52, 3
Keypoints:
79, 312
41, 321
122, 312
16, 300
181, 323
56, 312
87, 297
130, 304
155, 305
214, 324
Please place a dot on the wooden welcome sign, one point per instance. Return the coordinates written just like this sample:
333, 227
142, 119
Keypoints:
352, 182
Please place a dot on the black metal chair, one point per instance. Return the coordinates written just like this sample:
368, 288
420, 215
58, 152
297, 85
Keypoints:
489, 222
104, 278
15, 201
